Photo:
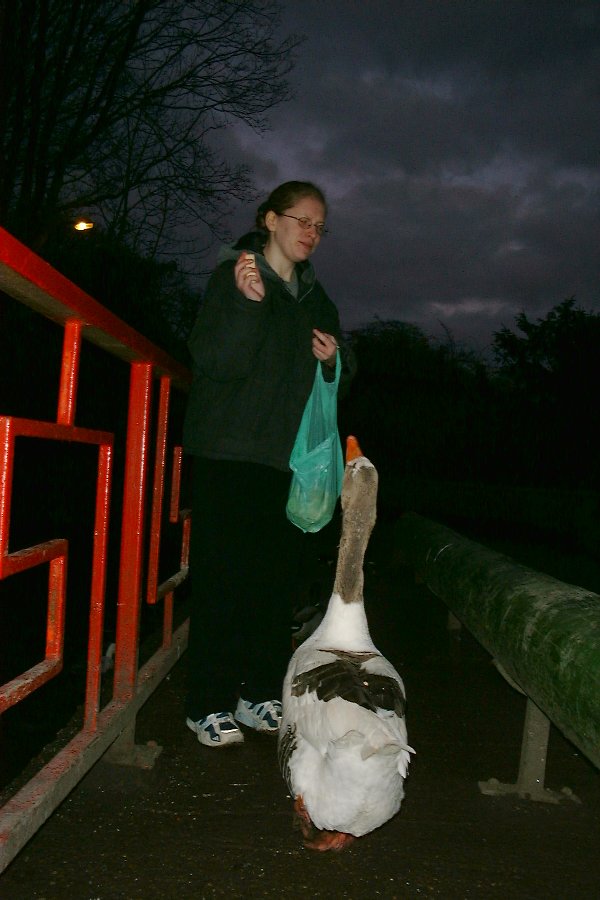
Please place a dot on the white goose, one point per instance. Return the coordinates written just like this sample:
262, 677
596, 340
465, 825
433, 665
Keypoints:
342, 744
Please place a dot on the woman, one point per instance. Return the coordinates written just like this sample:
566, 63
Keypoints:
263, 322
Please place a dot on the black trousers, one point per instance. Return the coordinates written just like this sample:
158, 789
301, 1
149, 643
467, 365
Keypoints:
244, 569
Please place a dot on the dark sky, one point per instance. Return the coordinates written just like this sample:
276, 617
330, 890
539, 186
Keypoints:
458, 144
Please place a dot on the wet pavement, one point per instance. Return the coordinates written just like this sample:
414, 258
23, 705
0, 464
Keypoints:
206, 823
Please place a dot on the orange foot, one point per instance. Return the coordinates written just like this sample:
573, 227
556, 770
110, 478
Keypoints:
303, 817
315, 839
330, 840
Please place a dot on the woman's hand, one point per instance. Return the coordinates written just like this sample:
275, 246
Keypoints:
247, 278
324, 347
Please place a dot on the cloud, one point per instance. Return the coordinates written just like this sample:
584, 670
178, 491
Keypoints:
457, 145
487, 306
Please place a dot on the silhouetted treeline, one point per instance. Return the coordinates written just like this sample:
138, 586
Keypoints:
548, 374
426, 409
110, 109
153, 296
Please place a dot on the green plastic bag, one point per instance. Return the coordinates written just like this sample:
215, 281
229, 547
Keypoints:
317, 460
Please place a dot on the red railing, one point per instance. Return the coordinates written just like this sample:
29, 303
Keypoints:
109, 727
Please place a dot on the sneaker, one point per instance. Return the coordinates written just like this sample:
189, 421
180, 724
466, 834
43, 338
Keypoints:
265, 716
216, 730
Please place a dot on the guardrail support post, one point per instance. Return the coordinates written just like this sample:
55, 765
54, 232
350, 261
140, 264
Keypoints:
532, 765
125, 752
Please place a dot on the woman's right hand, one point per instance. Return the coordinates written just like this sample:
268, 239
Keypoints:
247, 278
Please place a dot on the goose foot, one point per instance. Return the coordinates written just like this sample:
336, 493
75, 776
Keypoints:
330, 840
303, 818
315, 839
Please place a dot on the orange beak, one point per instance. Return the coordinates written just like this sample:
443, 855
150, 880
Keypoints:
352, 448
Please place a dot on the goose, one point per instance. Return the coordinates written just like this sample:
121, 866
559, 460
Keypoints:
342, 743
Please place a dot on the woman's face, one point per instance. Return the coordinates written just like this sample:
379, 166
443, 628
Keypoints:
286, 236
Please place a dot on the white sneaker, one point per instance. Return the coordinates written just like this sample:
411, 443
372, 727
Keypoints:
216, 730
265, 716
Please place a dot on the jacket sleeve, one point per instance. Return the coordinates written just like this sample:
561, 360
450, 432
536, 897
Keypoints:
228, 331
348, 367
330, 322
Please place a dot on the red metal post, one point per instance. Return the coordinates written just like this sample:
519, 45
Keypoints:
98, 588
175, 484
132, 532
158, 490
69, 372
6, 471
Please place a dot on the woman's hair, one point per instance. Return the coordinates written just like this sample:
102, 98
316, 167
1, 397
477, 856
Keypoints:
285, 196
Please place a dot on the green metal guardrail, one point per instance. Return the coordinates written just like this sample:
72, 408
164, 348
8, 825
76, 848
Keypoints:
544, 633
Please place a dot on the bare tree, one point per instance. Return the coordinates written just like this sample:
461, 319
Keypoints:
110, 105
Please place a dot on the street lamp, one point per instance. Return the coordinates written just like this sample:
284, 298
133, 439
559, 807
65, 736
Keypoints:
83, 225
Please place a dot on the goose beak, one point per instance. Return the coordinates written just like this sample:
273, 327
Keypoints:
353, 450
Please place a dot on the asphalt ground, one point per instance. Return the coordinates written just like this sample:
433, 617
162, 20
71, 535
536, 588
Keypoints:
206, 823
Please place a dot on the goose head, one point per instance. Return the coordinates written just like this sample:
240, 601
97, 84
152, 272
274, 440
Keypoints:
359, 511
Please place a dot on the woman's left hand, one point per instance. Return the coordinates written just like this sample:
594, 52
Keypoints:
324, 346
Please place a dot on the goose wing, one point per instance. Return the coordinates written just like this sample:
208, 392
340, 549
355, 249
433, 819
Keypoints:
349, 678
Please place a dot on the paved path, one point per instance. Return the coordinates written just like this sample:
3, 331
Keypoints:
208, 824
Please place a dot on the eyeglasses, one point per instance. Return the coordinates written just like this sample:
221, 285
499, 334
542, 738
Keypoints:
305, 223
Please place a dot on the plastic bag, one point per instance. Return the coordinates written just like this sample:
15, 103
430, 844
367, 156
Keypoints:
316, 460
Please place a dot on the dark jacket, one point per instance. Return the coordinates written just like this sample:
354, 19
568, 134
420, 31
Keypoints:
253, 362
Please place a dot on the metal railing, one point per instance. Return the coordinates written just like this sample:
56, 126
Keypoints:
109, 723
543, 635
